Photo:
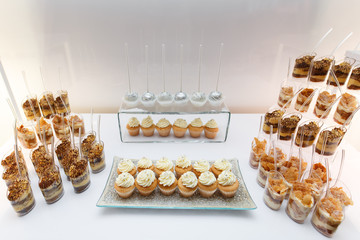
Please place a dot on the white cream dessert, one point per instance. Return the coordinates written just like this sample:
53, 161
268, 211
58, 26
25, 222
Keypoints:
147, 122
285, 95
162, 165
300, 202
126, 165
323, 103
181, 123
347, 105
144, 163
163, 123
200, 167
125, 180
145, 178
275, 191
220, 165
189, 180
207, 184
133, 122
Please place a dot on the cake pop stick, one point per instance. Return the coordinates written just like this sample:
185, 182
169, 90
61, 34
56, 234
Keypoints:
341, 43
163, 64
200, 61
218, 77
98, 123
127, 65
131, 98
198, 98
181, 97
147, 66
148, 99
164, 98
322, 39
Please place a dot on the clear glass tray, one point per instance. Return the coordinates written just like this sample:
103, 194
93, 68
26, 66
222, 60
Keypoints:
220, 114
241, 201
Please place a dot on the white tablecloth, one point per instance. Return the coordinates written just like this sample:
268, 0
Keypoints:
76, 215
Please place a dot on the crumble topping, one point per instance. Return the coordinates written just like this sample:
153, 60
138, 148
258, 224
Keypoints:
338, 193
77, 168
17, 188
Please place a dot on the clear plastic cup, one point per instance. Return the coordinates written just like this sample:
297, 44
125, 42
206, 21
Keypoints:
275, 190
87, 143
80, 175
78, 122
44, 125
97, 157
62, 105
258, 148
304, 99
347, 105
354, 80
51, 186
341, 69
341, 192
26, 135
272, 118
31, 107
302, 65
320, 69
62, 147
71, 157
288, 124
21, 197
300, 203
61, 127
309, 129
325, 101
287, 92
266, 165
329, 139
47, 105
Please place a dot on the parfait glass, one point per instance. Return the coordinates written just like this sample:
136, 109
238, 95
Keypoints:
31, 107
308, 130
302, 65
275, 190
320, 70
287, 93
288, 125
329, 139
341, 69
62, 104
354, 80
47, 104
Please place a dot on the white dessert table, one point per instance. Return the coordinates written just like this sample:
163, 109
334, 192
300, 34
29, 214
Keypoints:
76, 215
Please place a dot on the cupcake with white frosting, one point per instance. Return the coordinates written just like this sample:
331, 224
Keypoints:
146, 182
207, 184
133, 126
162, 165
126, 165
211, 129
183, 165
145, 163
167, 183
163, 127
187, 184
124, 185
196, 128
180, 127
219, 166
147, 126
200, 166
227, 184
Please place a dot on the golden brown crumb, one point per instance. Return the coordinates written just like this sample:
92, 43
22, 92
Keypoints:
48, 178
267, 162
87, 142
319, 171
259, 147
278, 185
77, 168
17, 188
96, 151
332, 206
303, 192
338, 193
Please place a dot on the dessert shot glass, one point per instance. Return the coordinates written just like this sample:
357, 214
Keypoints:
31, 107
340, 191
302, 65
96, 157
21, 197
346, 108
304, 99
258, 148
72, 156
308, 130
51, 186
266, 165
325, 101
316, 184
329, 139
76, 123
87, 143
42, 126
275, 190
62, 147
272, 118
320, 69
341, 69
286, 94
288, 124
26, 135
61, 127
354, 80
62, 105
47, 104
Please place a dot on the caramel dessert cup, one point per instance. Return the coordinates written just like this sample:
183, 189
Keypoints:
320, 68
48, 130
266, 165
300, 203
288, 124
87, 143
287, 92
341, 70
304, 99
62, 147
62, 105
329, 139
342, 193
51, 186
9, 159
257, 150
280, 156
347, 105
317, 187
61, 127
309, 130
79, 175
71, 157
26, 136
31, 107
302, 65
47, 105
272, 118
318, 170
97, 157
11, 173
324, 103
21, 197
275, 190
354, 81
77, 122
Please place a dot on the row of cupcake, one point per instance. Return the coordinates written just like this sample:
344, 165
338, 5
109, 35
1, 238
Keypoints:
180, 127
190, 177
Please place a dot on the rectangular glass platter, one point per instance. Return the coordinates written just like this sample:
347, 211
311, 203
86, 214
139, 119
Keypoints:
241, 201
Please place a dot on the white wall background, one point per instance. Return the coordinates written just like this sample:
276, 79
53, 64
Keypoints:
85, 40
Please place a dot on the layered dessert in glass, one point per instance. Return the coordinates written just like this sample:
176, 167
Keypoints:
71, 157
342, 194
290, 171
76, 122
257, 149
79, 175
288, 124
302, 65
51, 186
42, 126
329, 140
61, 127
87, 143
97, 157
318, 170
61, 149
323, 104
9, 159
320, 69
354, 81
309, 130
11, 173
21, 196
347, 105
316, 186
275, 190
300, 202
31, 108
62, 105
266, 165
47, 105
285, 95
272, 118
304, 99
341, 72
26, 136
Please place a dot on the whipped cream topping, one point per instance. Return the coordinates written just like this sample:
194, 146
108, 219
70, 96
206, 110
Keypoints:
211, 124
196, 122
167, 178
222, 164
163, 123
125, 180
181, 123
125, 165
147, 122
144, 163
207, 178
133, 122
145, 178
189, 179
202, 166
226, 178
183, 162
164, 164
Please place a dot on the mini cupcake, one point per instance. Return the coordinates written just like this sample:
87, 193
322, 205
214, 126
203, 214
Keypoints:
167, 183
146, 182
180, 127
187, 184
211, 129
145, 163
124, 185
183, 165
133, 126
162, 165
163, 127
207, 184
227, 184
196, 127
126, 165
200, 167
219, 166
147, 126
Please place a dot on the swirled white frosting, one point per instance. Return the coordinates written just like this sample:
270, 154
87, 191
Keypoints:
167, 178
226, 178
211, 124
202, 166
145, 178
144, 163
164, 164
125, 180
163, 123
196, 122
133, 122
207, 178
183, 162
222, 164
189, 179
125, 165
181, 123
147, 122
